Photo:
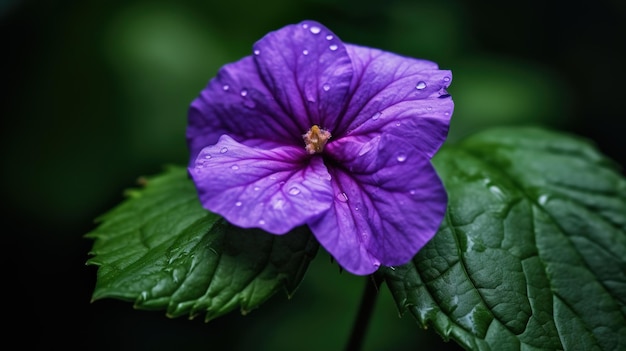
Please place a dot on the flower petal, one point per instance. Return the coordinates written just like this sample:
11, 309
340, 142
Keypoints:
389, 203
275, 190
308, 70
392, 93
236, 102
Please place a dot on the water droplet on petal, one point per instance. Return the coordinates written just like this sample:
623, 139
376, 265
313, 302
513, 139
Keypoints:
446, 113
257, 52
326, 87
401, 157
343, 197
329, 37
412, 192
397, 124
294, 191
305, 52
315, 30
305, 26
256, 188
223, 150
446, 79
376, 116
244, 92
226, 87
420, 85
278, 204
207, 156
333, 47
238, 203
234, 167
261, 221
356, 208
429, 108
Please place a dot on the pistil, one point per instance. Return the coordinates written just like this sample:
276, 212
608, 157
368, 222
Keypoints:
315, 139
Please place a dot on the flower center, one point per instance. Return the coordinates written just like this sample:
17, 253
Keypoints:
315, 139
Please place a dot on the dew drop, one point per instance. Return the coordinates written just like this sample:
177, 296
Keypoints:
376, 116
224, 150
543, 199
226, 87
329, 37
257, 52
333, 47
397, 124
446, 113
356, 208
446, 79
412, 192
261, 221
244, 92
305, 52
343, 197
315, 30
294, 191
256, 188
401, 158
234, 167
305, 26
326, 87
207, 156
238, 203
278, 204
420, 85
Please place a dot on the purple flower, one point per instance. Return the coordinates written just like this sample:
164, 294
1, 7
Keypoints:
309, 130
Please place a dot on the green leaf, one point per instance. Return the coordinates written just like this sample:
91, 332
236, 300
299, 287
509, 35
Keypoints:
532, 252
162, 250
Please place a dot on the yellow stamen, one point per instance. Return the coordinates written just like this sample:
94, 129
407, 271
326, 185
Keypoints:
315, 139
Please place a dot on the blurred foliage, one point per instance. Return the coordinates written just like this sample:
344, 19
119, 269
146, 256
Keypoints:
97, 94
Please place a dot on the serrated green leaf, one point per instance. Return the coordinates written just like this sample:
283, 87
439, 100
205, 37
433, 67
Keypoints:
162, 250
532, 252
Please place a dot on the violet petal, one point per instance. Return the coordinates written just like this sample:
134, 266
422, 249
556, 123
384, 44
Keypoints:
389, 202
275, 190
308, 70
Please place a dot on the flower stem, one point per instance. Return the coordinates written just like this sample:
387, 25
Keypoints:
366, 308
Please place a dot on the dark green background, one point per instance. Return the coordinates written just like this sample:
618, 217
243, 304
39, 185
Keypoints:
95, 94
